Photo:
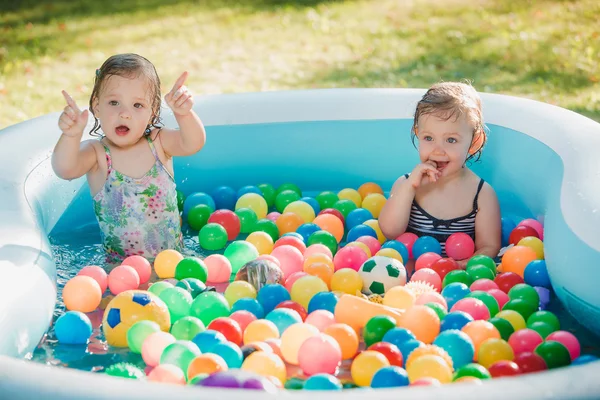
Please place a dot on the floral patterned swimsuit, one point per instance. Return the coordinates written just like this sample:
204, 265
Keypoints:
138, 216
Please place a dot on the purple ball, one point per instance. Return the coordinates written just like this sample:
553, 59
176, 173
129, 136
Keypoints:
220, 380
544, 296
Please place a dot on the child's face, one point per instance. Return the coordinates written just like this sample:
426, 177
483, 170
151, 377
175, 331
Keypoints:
124, 109
444, 142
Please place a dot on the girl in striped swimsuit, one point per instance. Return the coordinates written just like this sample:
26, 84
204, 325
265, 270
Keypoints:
442, 196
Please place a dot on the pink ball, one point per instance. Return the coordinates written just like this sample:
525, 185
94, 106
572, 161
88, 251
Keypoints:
524, 341
218, 267
290, 258
426, 260
532, 223
153, 346
123, 278
408, 239
428, 275
349, 257
474, 307
371, 242
243, 318
460, 246
321, 319
141, 265
568, 340
167, 373
319, 354
290, 280
292, 241
273, 216
501, 297
432, 297
96, 273
270, 258
317, 248
483, 284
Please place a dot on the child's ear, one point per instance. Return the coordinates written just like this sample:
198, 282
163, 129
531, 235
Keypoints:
477, 143
95, 104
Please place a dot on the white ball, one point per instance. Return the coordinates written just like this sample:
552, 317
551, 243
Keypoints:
379, 274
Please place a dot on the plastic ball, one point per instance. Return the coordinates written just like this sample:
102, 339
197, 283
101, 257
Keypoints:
516, 259
207, 340
346, 280
228, 220
238, 290
365, 365
443, 266
260, 330
198, 216
224, 197
536, 274
359, 231
73, 327
125, 370
504, 368
529, 362
239, 253
255, 202
357, 217
376, 327
167, 373
292, 339
305, 288
504, 327
426, 260
422, 321
479, 331
228, 327
457, 276
154, 345
455, 320
493, 350
82, 293
206, 364
399, 297
428, 275
555, 354
209, 306
516, 320
322, 382
472, 370
266, 364
291, 259
426, 244
390, 351
458, 345
178, 301
389, 252
98, 274
180, 353
283, 318
292, 305
346, 338
374, 202
454, 292
429, 366
520, 232
186, 328
460, 246
568, 340
319, 354
269, 296
525, 341
323, 301
248, 304
218, 268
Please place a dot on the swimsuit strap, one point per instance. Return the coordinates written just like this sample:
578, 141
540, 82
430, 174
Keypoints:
475, 206
108, 157
154, 152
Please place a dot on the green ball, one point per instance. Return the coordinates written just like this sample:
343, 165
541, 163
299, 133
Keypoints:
525, 292
481, 259
326, 199
209, 306
239, 253
138, 333
457, 275
180, 353
125, 370
490, 301
504, 327
247, 218
178, 302
284, 198
192, 285
555, 354
542, 328
191, 267
187, 328
294, 384
521, 306
474, 370
438, 308
180, 199
344, 206
267, 226
544, 316
376, 328
479, 271
289, 186
212, 237
324, 238
269, 193
158, 287
197, 379
198, 216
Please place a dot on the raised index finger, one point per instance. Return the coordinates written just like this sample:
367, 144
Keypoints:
70, 101
180, 81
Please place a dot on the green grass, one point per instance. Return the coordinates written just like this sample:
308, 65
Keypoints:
544, 50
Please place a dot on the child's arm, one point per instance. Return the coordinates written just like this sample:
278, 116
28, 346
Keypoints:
72, 158
191, 136
488, 226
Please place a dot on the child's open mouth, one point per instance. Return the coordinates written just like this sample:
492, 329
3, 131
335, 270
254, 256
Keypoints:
121, 130
441, 165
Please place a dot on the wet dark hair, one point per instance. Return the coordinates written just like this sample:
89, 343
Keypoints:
452, 100
128, 65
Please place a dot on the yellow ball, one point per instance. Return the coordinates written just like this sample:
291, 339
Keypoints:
428, 349
516, 320
260, 330
362, 246
266, 364
305, 288
535, 244
374, 202
346, 280
493, 350
255, 202
399, 297
262, 241
389, 252
293, 337
301, 208
352, 195
165, 263
373, 223
429, 366
129, 307
365, 365
239, 290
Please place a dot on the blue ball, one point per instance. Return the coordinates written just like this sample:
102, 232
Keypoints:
426, 244
357, 217
584, 359
455, 292
207, 339
408, 346
536, 274
313, 203
392, 376
359, 231
458, 345
294, 234
248, 189
323, 301
73, 327
250, 305
507, 227
283, 318
224, 198
399, 247
197, 198
398, 336
271, 295
455, 320
322, 382
231, 354
307, 229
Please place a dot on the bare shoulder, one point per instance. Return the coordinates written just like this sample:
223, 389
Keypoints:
488, 197
398, 182
99, 152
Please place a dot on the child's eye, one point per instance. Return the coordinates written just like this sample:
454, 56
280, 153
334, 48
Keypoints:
452, 140
113, 103
428, 138
138, 105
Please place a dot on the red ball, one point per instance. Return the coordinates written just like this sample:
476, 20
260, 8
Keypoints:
443, 266
507, 280
292, 305
504, 368
228, 220
521, 232
229, 327
334, 212
390, 351
530, 362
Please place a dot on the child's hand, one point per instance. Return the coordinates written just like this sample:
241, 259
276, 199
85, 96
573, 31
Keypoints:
72, 121
179, 98
423, 174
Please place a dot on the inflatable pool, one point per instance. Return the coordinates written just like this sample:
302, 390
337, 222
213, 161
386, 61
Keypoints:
541, 159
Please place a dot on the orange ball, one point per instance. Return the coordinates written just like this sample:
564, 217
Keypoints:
206, 364
516, 259
370, 187
479, 331
288, 222
331, 224
422, 321
260, 330
318, 258
266, 364
321, 270
346, 338
82, 293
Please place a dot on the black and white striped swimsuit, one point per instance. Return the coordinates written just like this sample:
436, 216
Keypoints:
421, 223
